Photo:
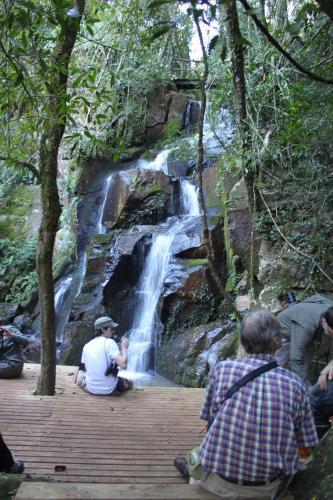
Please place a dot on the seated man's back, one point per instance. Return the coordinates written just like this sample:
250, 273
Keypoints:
256, 433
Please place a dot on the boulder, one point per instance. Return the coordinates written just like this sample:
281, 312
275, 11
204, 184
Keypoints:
79, 333
137, 196
190, 357
240, 224
163, 108
8, 312
213, 202
281, 266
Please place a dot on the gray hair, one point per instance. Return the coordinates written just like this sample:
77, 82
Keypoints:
258, 329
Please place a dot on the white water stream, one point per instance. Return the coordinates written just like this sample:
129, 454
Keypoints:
147, 325
101, 228
145, 333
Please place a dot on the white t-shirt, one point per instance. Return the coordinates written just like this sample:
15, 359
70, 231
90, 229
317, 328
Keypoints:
97, 355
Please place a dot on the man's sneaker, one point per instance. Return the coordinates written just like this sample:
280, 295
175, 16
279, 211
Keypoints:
181, 465
17, 467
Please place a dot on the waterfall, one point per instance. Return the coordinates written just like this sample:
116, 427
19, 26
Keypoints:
176, 162
69, 289
191, 114
70, 286
189, 198
187, 119
159, 163
218, 131
59, 300
147, 325
101, 229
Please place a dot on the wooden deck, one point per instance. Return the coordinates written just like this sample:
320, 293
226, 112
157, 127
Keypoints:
75, 437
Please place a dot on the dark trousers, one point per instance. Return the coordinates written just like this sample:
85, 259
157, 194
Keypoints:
322, 407
122, 386
6, 458
10, 370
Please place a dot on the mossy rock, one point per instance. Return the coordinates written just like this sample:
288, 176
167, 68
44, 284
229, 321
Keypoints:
189, 263
316, 482
21, 213
9, 484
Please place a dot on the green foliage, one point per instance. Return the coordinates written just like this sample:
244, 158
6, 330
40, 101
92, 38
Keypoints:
127, 64
17, 269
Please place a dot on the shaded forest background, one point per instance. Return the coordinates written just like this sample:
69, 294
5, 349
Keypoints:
78, 80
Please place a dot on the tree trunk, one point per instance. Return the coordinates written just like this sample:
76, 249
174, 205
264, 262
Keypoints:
47, 233
206, 233
234, 37
327, 7
58, 69
239, 86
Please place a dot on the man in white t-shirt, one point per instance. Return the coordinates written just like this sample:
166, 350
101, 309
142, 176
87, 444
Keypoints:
98, 355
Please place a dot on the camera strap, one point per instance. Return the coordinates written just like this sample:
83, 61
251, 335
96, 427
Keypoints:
106, 356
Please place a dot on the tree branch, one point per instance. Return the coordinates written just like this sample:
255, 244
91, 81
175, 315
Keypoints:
23, 165
18, 71
315, 263
276, 44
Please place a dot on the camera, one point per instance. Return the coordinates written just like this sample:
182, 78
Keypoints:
112, 369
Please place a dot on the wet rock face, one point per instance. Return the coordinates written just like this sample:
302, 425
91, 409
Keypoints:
79, 333
190, 357
164, 108
108, 288
135, 197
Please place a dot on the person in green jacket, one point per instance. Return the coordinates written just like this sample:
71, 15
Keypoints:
11, 358
301, 325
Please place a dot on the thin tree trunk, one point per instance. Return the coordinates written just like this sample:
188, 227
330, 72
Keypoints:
48, 167
234, 36
327, 7
206, 233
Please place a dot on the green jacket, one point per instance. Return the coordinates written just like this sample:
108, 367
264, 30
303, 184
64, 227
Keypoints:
10, 347
299, 325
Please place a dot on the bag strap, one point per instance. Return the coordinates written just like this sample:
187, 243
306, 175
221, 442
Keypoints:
106, 356
248, 377
242, 381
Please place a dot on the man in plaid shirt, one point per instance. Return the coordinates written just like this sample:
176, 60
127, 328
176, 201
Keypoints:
251, 447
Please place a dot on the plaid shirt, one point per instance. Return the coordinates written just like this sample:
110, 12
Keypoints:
257, 432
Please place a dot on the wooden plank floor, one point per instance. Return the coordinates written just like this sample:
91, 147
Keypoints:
132, 439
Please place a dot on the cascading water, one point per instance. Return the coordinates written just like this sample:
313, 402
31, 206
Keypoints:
70, 286
189, 198
101, 229
147, 325
159, 163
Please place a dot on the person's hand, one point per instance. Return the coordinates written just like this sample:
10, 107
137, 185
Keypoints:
5, 332
33, 345
325, 375
124, 343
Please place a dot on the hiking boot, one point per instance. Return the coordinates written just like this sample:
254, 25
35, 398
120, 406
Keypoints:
181, 465
130, 384
17, 467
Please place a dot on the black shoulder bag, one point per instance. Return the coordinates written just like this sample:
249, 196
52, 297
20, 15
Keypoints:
244, 380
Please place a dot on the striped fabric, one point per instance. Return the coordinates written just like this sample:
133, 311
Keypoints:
257, 432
